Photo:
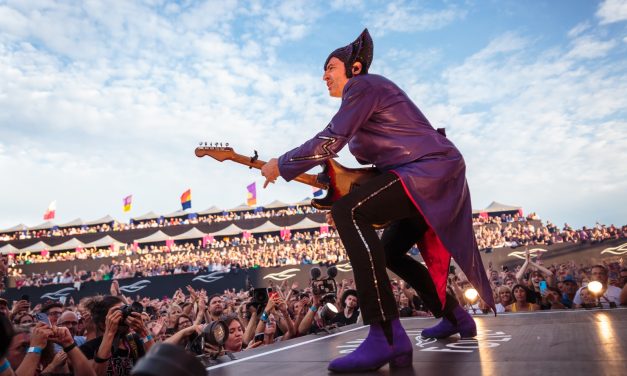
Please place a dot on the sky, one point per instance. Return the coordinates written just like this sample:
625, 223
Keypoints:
103, 99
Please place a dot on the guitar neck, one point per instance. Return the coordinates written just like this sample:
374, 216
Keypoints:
308, 179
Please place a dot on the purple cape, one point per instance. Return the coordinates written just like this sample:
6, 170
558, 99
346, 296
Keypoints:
383, 127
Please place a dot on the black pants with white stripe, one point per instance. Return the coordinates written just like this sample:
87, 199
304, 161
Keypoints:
382, 200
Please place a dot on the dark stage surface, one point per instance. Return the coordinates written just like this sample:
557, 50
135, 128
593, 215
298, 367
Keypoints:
582, 342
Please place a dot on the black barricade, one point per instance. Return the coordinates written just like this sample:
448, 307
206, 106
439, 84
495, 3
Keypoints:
160, 286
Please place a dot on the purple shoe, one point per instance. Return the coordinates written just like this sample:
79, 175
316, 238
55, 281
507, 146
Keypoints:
466, 326
375, 351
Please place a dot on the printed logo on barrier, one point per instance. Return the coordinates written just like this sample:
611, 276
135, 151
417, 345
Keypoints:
344, 267
209, 278
135, 286
535, 252
288, 273
620, 250
58, 294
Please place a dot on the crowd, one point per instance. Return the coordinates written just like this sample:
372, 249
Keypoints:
154, 223
107, 335
533, 286
516, 234
268, 250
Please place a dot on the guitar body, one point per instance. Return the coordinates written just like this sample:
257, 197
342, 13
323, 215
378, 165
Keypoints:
340, 181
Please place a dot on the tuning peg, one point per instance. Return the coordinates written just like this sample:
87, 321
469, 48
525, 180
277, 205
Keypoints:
227, 144
200, 144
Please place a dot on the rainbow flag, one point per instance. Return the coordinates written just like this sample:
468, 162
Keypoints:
127, 203
186, 199
251, 198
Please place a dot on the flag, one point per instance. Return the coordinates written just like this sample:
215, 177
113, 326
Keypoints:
52, 208
186, 199
127, 203
251, 198
317, 192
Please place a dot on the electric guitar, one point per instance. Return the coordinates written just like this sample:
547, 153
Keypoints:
336, 179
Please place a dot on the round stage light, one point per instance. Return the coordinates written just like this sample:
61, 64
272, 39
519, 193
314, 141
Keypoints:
471, 295
216, 333
328, 312
595, 287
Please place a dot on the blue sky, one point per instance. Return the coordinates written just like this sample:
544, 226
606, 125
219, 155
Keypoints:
99, 100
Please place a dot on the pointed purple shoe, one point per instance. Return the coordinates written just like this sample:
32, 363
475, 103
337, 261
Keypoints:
466, 326
375, 351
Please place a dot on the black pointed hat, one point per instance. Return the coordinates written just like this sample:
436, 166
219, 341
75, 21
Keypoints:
360, 50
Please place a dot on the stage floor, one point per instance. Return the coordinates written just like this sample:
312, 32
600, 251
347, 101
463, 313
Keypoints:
582, 342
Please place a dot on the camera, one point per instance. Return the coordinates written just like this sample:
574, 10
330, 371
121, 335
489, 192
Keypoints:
127, 309
323, 286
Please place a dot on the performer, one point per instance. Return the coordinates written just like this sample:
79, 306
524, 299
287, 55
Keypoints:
422, 192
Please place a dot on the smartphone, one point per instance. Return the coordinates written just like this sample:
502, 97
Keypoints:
542, 287
273, 295
258, 337
42, 317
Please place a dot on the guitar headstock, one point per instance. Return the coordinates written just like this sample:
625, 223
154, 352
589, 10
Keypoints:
215, 150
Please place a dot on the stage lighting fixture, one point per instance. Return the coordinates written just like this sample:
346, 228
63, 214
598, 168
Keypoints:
216, 333
471, 295
595, 287
328, 312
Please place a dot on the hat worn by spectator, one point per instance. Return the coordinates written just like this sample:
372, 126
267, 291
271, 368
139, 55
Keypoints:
168, 359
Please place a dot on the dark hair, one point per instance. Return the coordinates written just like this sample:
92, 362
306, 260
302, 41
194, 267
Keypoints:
178, 319
99, 308
524, 289
600, 267
51, 304
213, 297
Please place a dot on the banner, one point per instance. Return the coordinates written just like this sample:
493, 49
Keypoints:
251, 196
127, 201
50, 212
186, 199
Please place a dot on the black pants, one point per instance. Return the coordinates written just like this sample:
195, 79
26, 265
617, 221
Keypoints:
383, 200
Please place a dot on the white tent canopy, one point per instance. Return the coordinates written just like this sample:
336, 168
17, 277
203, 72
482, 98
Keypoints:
304, 202
178, 213
105, 241
8, 248
158, 236
212, 210
498, 207
305, 223
147, 216
43, 226
276, 204
70, 244
20, 227
192, 233
37, 247
75, 223
267, 226
241, 207
106, 219
228, 231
